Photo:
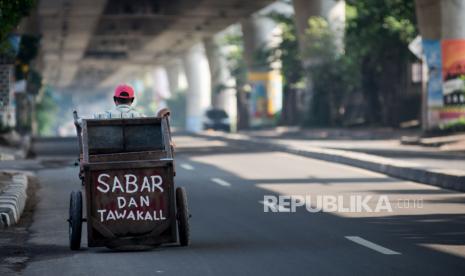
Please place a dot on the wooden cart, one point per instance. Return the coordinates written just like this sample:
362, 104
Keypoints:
127, 170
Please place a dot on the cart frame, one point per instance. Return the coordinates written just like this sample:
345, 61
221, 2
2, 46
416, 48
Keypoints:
131, 151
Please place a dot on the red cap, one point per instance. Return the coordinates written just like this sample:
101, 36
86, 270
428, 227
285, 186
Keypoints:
124, 91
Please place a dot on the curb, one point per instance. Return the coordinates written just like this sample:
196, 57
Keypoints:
26, 145
19, 151
13, 200
391, 167
432, 141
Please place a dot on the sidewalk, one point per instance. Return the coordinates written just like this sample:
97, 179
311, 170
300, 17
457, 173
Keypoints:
379, 150
446, 152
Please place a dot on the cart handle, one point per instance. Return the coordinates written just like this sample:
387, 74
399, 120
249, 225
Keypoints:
76, 118
78, 130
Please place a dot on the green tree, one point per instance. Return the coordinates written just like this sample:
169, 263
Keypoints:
46, 112
377, 36
287, 51
236, 64
334, 75
28, 49
178, 103
11, 12
374, 63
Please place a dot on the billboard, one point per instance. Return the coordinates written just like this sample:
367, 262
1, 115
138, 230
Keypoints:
453, 77
432, 52
265, 97
446, 81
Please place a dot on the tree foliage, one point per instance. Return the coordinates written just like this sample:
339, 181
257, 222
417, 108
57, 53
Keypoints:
287, 51
373, 65
236, 64
11, 12
363, 83
377, 36
46, 112
334, 76
234, 56
28, 50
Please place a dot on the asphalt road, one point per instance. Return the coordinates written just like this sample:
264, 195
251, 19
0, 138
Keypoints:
232, 235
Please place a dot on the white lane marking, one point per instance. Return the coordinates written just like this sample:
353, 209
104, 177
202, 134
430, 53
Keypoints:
374, 246
274, 207
187, 167
221, 182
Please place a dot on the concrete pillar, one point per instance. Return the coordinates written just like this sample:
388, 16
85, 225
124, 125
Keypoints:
257, 32
160, 86
429, 18
331, 10
453, 55
428, 14
173, 69
199, 89
178, 88
334, 12
453, 19
222, 83
442, 27
218, 70
265, 100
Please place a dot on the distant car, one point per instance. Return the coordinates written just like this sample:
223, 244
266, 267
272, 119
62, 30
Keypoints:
217, 119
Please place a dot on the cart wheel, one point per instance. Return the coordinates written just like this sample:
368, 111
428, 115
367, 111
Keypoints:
75, 220
182, 216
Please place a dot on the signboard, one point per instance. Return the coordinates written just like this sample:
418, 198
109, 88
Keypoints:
416, 47
135, 196
432, 52
265, 97
446, 80
453, 77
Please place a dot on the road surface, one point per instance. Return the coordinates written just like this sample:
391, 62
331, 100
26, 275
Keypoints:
232, 235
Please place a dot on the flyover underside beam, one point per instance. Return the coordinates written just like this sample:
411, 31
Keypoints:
162, 37
78, 35
67, 35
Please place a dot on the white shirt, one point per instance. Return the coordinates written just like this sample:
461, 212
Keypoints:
119, 112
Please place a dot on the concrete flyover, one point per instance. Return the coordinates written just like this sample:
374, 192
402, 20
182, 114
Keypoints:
89, 46
86, 42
